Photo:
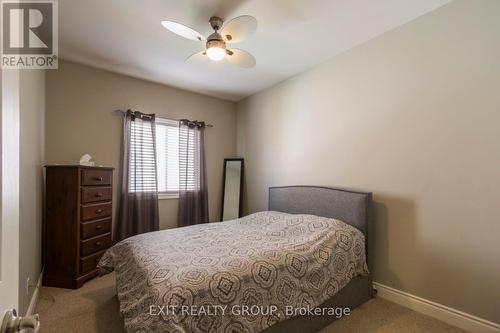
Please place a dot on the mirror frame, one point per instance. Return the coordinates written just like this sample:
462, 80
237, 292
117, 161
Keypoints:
240, 208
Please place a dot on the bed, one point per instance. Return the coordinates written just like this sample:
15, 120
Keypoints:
261, 273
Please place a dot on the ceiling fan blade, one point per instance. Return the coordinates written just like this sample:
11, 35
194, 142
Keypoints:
240, 57
239, 28
197, 58
182, 30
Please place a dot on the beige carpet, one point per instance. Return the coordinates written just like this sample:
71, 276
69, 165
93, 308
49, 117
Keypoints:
94, 308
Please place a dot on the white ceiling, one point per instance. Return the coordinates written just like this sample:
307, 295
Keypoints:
126, 36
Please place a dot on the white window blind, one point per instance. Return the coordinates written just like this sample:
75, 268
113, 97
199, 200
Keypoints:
141, 161
167, 155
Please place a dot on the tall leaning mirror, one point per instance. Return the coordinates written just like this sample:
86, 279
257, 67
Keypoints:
232, 189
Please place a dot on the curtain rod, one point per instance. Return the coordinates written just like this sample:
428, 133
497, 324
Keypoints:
124, 112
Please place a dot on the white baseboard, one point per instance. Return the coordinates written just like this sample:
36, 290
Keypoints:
34, 297
446, 314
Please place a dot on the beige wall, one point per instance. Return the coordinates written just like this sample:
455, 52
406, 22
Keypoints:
414, 116
31, 159
80, 101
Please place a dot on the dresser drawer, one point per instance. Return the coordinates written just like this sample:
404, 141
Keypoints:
89, 263
96, 211
96, 177
94, 228
95, 244
94, 194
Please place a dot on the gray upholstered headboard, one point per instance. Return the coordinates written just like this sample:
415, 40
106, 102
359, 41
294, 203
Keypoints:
348, 206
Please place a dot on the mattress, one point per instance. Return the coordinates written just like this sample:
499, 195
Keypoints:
242, 275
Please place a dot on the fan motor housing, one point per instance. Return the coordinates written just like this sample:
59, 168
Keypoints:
215, 36
215, 40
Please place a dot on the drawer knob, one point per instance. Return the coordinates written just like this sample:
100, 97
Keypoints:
98, 195
98, 211
98, 227
99, 179
97, 243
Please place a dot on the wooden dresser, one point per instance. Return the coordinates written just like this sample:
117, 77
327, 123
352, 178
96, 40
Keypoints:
77, 229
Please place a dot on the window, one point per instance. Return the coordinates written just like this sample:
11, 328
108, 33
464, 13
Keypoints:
167, 157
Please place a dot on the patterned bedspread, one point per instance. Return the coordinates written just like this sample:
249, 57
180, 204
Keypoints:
202, 278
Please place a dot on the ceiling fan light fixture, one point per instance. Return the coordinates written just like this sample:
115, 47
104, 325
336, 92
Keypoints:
216, 49
234, 31
216, 53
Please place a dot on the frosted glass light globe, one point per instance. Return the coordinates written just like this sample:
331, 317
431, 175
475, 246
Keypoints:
216, 53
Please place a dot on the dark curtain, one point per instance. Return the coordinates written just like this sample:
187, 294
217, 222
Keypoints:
138, 210
193, 194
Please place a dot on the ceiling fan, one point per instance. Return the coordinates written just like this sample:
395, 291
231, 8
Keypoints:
234, 31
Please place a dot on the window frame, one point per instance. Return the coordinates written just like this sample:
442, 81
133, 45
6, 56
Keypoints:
167, 194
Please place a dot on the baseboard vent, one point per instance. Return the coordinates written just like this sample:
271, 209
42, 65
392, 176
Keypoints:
446, 314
